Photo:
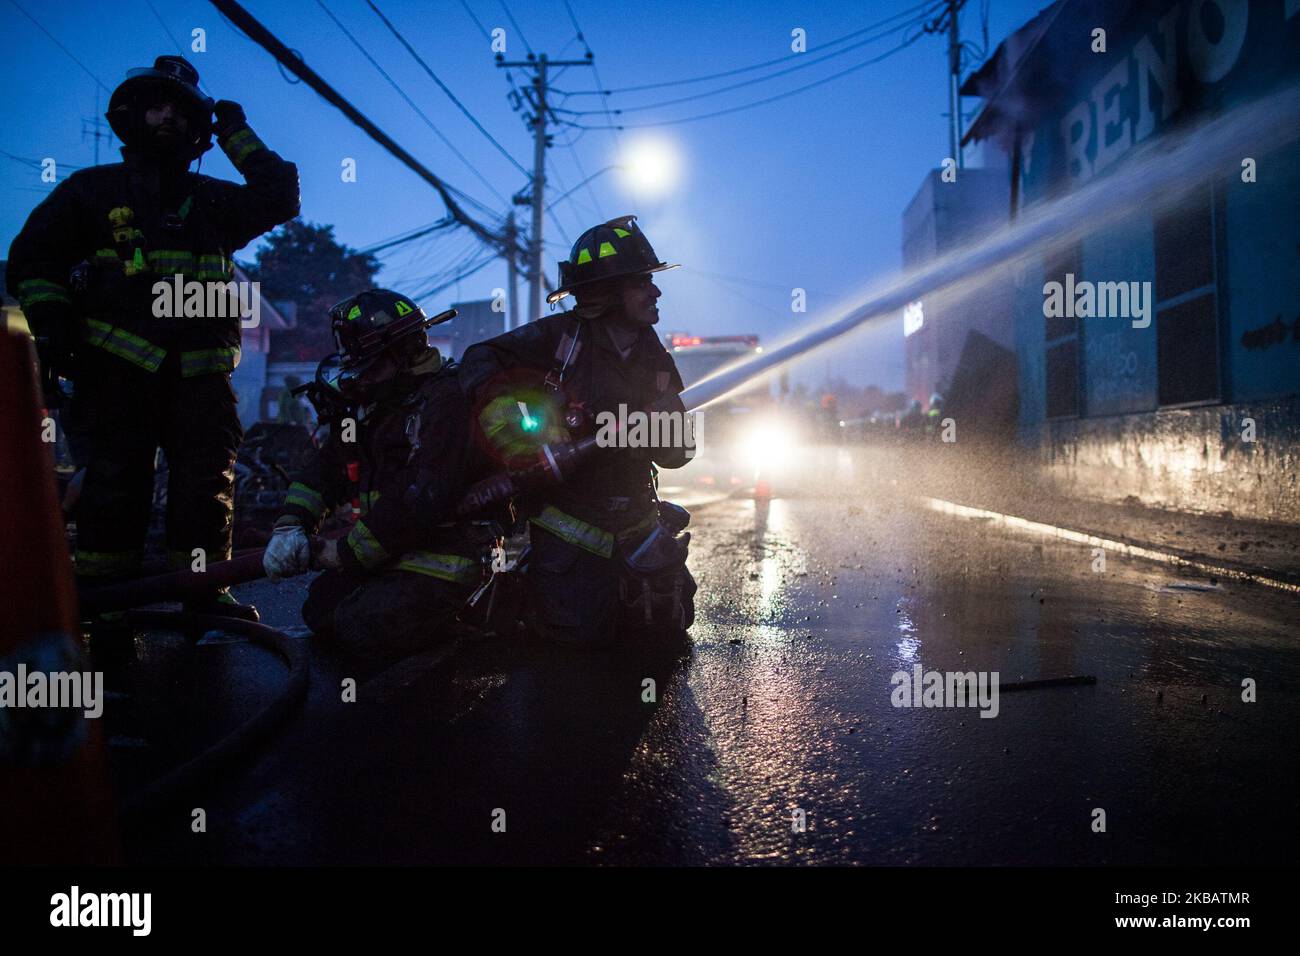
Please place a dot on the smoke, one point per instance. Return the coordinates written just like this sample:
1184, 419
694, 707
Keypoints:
1162, 170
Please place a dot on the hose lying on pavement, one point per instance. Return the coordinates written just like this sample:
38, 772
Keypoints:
185, 778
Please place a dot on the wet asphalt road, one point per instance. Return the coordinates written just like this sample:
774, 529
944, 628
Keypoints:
807, 605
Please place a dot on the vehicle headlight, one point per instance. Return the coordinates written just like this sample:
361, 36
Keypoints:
767, 444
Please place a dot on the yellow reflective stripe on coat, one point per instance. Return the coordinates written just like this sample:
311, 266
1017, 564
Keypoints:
209, 361
366, 546
575, 531
242, 144
107, 563
124, 345
214, 267
35, 291
171, 261
449, 567
305, 497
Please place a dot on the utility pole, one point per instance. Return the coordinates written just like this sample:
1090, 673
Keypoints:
94, 125
539, 65
512, 273
954, 83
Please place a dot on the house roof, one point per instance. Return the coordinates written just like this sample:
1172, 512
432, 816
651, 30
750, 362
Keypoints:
1037, 66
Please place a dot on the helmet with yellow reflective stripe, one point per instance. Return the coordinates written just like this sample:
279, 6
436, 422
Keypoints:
612, 249
171, 78
370, 323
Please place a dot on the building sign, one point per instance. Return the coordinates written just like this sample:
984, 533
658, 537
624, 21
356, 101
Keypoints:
913, 318
1142, 91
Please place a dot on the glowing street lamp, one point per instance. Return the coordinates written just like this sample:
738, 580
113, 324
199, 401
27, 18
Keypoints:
651, 165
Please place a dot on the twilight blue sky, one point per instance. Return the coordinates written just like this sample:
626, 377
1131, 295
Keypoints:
804, 192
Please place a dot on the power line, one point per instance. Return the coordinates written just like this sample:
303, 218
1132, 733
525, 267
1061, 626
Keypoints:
35, 163
162, 23
299, 67
479, 23
443, 86
445, 284
68, 52
595, 72
411, 103
803, 65
763, 102
755, 66
515, 23
419, 233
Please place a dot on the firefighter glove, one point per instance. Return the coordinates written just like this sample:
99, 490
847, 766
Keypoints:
288, 553
229, 117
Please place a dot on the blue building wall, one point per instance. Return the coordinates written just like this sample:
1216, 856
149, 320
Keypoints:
1169, 63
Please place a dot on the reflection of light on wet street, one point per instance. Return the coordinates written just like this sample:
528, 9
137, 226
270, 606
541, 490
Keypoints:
773, 565
909, 643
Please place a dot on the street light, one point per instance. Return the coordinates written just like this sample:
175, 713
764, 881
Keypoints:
652, 164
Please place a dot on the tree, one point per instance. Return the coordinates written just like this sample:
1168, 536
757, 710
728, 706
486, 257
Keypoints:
302, 262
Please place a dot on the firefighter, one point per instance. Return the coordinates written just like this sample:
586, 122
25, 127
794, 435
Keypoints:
933, 416
289, 408
84, 269
399, 448
604, 552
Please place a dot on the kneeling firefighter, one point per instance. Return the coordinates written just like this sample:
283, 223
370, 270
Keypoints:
605, 553
399, 449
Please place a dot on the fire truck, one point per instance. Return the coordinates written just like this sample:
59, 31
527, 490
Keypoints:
740, 435
698, 356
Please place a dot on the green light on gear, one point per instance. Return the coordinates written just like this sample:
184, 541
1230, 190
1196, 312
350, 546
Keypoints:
528, 423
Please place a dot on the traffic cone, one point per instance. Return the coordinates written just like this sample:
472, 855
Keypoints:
54, 799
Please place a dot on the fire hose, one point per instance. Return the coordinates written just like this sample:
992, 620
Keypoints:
553, 465
185, 779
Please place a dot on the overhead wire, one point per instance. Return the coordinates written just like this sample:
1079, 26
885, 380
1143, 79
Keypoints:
411, 103
515, 23
163, 23
804, 64
756, 66
299, 67
757, 103
443, 86
87, 70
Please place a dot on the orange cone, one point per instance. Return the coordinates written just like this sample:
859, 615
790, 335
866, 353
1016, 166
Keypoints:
55, 805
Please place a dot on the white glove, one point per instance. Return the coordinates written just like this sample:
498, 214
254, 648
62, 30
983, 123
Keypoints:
288, 553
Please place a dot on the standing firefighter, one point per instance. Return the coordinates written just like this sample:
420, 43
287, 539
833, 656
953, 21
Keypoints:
604, 550
399, 450
84, 269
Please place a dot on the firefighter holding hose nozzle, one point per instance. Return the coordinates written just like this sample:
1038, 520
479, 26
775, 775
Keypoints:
605, 554
399, 451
